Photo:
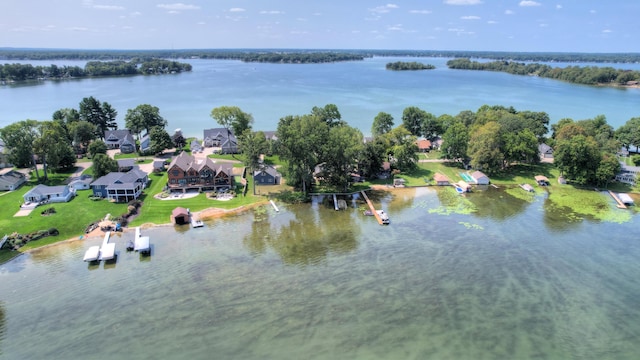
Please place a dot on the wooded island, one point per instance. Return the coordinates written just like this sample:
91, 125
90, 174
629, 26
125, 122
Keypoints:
413, 65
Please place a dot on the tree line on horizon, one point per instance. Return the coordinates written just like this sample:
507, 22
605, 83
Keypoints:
587, 75
115, 54
25, 72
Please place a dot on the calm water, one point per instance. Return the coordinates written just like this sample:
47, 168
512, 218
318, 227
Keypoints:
359, 89
512, 280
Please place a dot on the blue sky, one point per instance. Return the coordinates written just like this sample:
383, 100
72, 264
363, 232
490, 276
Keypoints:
497, 25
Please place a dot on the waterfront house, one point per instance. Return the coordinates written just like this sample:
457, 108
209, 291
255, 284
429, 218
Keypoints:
480, 178
158, 166
441, 179
44, 194
628, 174
195, 146
121, 186
266, 176
186, 172
120, 139
11, 180
222, 138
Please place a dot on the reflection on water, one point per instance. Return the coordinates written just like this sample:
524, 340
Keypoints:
310, 282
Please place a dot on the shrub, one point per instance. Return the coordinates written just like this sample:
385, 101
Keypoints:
53, 232
636, 160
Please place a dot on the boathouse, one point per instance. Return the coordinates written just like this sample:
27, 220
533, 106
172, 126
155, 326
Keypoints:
180, 216
441, 179
480, 178
542, 180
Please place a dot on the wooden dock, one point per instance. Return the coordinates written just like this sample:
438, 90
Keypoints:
615, 197
373, 209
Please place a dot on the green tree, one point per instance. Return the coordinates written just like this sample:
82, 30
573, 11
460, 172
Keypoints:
97, 147
484, 148
178, 140
232, 118
382, 124
82, 132
372, 156
629, 133
401, 149
577, 157
252, 145
159, 140
102, 115
19, 137
328, 114
144, 117
607, 169
520, 147
103, 164
455, 141
413, 119
431, 127
301, 141
341, 151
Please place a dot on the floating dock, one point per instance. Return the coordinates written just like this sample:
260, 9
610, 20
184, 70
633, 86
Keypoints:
141, 243
335, 202
92, 254
107, 250
374, 211
615, 197
274, 206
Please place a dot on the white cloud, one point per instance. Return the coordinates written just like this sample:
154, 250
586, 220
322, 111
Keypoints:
592, 11
420, 11
78, 28
108, 7
529, 3
383, 9
135, 13
544, 25
178, 6
397, 27
470, 17
509, 12
558, 6
492, 22
272, 12
606, 31
201, 23
237, 10
462, 2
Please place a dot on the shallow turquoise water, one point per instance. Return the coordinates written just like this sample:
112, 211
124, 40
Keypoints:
506, 281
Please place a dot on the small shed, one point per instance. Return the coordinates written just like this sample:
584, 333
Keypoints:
399, 182
464, 186
180, 216
441, 179
266, 176
424, 145
542, 180
480, 178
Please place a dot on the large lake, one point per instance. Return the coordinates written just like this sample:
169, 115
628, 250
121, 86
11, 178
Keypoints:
360, 89
489, 276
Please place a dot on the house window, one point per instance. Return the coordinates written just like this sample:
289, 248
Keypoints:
175, 172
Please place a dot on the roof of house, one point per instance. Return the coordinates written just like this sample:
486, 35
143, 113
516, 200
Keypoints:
478, 174
180, 211
120, 179
43, 190
541, 178
158, 164
220, 133
267, 169
185, 162
424, 144
544, 148
440, 177
126, 162
271, 135
386, 166
118, 136
12, 177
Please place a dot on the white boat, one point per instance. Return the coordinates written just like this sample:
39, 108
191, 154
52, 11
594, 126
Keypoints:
92, 254
383, 216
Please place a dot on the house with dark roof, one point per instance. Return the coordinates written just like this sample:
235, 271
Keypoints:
11, 180
222, 138
180, 216
268, 175
158, 165
120, 139
121, 186
82, 182
187, 172
45, 194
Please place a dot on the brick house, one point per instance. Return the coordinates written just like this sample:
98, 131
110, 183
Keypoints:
186, 172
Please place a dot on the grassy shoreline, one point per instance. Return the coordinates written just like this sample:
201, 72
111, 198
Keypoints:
156, 212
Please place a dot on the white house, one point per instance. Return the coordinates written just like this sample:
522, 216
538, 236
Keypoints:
11, 180
44, 193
